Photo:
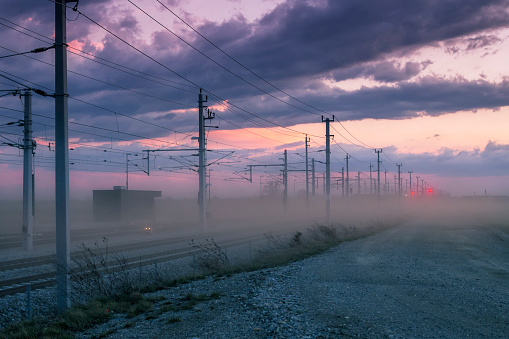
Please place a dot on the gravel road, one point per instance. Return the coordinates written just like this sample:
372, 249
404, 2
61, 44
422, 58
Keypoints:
427, 279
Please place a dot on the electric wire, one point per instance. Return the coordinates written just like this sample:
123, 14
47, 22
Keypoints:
190, 106
97, 106
217, 63
93, 57
255, 74
108, 83
210, 93
75, 9
222, 100
166, 67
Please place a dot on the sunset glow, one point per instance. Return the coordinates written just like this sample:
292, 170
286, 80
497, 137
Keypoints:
435, 98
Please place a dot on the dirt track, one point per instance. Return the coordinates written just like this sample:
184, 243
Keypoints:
422, 279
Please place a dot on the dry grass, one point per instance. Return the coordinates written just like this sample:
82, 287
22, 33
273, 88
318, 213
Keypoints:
211, 258
98, 273
93, 272
80, 317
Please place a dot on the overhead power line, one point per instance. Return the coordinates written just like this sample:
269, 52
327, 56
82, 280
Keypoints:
162, 65
108, 83
94, 57
91, 104
217, 63
255, 74
36, 50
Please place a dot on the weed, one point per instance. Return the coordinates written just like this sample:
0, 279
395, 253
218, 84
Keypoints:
129, 324
156, 298
107, 286
324, 233
173, 320
297, 238
279, 250
166, 308
104, 334
79, 318
96, 273
211, 258
214, 295
190, 300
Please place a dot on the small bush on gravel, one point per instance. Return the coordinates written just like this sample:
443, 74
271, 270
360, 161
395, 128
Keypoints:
190, 300
279, 250
173, 320
211, 258
96, 272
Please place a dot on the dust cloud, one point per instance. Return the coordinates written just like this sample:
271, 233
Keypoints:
269, 214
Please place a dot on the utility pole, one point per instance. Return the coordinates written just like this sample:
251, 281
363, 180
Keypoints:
307, 173
343, 182
313, 177
209, 187
399, 179
261, 176
61, 158
417, 189
127, 171
378, 151
385, 183
327, 167
285, 181
410, 172
359, 183
28, 216
370, 179
323, 184
422, 187
201, 165
347, 176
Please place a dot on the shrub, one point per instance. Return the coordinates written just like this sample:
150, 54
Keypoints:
211, 258
96, 272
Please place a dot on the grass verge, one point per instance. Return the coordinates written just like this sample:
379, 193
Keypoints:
129, 299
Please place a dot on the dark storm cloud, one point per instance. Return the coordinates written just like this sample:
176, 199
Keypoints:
491, 161
482, 41
431, 96
390, 72
461, 45
168, 116
298, 39
295, 46
385, 71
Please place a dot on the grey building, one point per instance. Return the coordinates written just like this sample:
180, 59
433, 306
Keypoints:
120, 204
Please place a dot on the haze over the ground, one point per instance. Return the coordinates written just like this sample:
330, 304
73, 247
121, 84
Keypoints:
425, 81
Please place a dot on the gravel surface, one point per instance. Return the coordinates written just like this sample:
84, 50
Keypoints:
420, 280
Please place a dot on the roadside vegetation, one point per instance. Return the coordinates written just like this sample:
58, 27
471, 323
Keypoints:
105, 285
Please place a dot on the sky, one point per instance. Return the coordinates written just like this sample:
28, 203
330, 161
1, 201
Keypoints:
426, 81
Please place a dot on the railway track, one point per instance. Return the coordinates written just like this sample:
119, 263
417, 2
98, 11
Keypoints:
10, 241
47, 279
50, 259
